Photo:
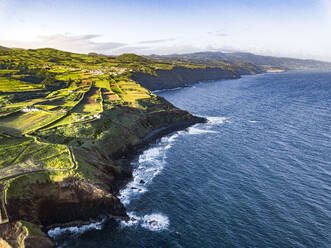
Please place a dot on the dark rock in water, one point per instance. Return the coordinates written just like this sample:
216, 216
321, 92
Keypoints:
142, 182
134, 188
152, 222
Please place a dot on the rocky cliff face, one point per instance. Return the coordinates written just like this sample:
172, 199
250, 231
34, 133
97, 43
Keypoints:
14, 235
103, 149
181, 76
68, 201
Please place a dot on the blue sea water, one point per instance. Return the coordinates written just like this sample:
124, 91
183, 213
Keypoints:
258, 174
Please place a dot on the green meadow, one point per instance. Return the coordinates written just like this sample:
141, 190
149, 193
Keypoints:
47, 90
55, 103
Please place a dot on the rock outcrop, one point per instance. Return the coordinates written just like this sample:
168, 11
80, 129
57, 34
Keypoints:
15, 235
181, 76
104, 167
68, 201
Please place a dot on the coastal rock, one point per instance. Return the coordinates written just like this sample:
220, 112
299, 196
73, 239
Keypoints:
12, 235
4, 244
82, 198
15, 235
38, 242
71, 200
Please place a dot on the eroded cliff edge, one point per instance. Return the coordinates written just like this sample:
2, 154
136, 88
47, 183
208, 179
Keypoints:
83, 159
102, 149
183, 76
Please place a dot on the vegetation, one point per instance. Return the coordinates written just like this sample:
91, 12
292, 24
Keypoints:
53, 101
68, 116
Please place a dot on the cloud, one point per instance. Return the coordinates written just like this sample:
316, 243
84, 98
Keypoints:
79, 43
155, 41
68, 42
178, 48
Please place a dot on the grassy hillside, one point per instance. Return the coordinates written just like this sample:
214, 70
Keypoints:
241, 58
70, 119
62, 98
45, 89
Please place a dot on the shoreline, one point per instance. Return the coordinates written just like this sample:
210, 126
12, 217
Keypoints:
127, 158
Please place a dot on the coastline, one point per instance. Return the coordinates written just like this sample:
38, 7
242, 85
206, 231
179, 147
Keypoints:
128, 156
170, 122
127, 159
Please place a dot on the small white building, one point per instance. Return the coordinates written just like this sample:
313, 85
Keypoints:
30, 109
97, 116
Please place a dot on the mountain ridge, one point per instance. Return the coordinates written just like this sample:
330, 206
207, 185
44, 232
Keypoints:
286, 63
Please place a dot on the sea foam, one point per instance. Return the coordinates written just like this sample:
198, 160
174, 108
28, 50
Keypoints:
149, 164
75, 230
194, 130
216, 120
152, 222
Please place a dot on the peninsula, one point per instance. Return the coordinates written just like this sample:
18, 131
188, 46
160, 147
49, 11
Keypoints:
70, 124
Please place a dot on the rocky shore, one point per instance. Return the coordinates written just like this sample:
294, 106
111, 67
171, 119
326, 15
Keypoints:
79, 200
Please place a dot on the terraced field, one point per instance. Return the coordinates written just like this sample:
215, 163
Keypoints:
47, 89
13, 85
63, 116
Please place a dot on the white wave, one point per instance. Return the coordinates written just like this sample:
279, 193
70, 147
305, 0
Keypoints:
149, 164
164, 90
150, 155
174, 136
133, 221
252, 121
216, 120
153, 222
76, 230
194, 130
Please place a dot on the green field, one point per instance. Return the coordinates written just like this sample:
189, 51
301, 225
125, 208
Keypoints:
65, 94
13, 85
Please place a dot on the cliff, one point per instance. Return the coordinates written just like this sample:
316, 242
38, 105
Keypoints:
103, 149
69, 133
265, 62
181, 76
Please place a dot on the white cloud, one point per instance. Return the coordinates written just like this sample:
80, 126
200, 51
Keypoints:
67, 42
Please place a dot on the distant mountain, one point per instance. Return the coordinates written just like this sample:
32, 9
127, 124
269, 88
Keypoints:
267, 62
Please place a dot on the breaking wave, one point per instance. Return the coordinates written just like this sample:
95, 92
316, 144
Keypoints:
149, 164
194, 130
216, 120
152, 222
75, 230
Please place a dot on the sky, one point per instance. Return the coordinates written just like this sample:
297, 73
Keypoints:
291, 28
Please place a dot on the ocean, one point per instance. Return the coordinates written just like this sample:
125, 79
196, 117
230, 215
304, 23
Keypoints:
258, 174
